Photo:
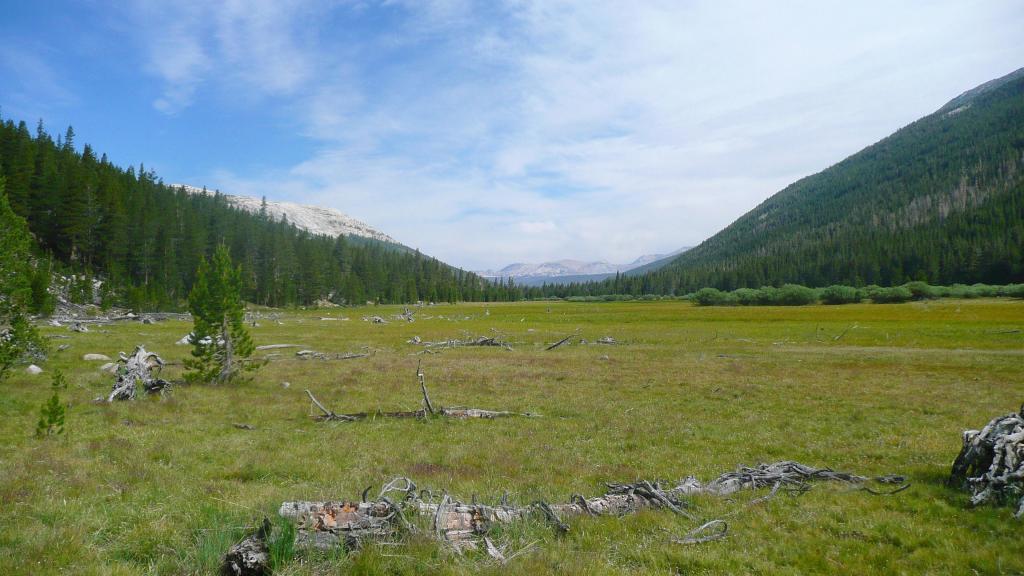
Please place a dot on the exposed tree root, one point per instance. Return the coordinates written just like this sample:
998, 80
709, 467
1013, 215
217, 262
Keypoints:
991, 462
139, 368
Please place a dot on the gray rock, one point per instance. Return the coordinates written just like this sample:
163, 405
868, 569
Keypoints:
33, 369
100, 357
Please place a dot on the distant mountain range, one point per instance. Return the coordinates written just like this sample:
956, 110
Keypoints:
569, 271
325, 221
941, 200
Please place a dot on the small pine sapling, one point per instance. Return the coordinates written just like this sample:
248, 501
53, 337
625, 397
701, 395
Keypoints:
52, 414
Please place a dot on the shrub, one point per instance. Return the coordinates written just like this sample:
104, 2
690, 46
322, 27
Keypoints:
1013, 290
985, 291
747, 296
713, 297
838, 294
796, 295
921, 290
892, 295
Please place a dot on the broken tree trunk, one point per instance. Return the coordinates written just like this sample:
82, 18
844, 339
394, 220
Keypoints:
463, 525
483, 341
991, 462
460, 413
139, 368
250, 557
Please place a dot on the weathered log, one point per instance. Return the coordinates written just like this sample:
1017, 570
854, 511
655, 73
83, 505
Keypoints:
313, 354
251, 556
464, 525
483, 341
991, 462
140, 367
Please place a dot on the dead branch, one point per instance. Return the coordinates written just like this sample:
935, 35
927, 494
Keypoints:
483, 341
423, 387
559, 343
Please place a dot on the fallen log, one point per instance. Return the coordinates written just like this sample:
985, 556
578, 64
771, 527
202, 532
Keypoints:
464, 526
991, 462
141, 367
483, 341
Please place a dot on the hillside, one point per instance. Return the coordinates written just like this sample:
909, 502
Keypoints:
940, 200
92, 218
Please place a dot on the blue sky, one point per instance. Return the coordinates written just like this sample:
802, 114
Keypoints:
486, 133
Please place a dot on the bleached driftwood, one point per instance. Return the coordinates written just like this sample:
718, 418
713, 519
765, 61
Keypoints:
141, 367
313, 354
991, 462
483, 341
465, 525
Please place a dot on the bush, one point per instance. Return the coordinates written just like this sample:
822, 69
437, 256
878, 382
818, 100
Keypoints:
921, 290
1013, 290
838, 294
713, 297
795, 295
747, 296
985, 291
892, 295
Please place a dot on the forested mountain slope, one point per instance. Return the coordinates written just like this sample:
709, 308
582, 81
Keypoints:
146, 239
940, 200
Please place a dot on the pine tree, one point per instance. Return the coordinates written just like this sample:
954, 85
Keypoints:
19, 339
221, 344
52, 415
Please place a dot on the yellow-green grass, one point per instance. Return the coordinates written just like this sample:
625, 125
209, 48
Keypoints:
164, 486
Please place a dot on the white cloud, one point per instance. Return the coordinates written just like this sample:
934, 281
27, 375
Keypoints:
485, 133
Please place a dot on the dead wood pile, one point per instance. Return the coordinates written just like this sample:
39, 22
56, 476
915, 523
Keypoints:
991, 462
141, 367
465, 526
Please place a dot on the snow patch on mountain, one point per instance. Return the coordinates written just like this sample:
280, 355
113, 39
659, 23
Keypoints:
313, 219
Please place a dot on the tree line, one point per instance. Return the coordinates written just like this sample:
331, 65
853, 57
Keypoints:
92, 219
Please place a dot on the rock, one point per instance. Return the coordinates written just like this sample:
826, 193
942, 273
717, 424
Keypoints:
285, 384
185, 340
147, 320
100, 357
55, 323
33, 369
110, 367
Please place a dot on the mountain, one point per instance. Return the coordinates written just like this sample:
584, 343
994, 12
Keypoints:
570, 271
313, 219
940, 200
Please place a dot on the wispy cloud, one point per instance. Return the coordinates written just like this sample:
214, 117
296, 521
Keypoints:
487, 132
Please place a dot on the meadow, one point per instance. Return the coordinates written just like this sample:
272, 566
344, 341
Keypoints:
165, 485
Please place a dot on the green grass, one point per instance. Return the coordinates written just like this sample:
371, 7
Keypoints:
164, 486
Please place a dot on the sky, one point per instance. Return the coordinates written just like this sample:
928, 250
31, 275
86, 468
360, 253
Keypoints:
486, 133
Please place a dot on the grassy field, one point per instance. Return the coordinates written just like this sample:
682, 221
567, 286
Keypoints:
164, 486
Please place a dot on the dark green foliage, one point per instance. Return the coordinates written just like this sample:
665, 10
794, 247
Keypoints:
713, 297
893, 295
19, 340
221, 345
921, 290
52, 413
145, 239
839, 294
